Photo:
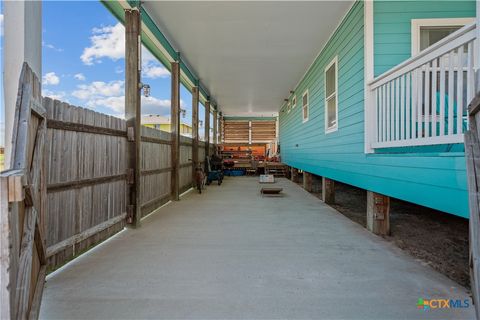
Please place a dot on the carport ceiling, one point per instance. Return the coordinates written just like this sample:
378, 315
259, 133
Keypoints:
248, 54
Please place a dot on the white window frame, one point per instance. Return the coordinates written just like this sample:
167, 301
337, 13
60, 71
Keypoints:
335, 126
417, 24
294, 101
289, 107
307, 106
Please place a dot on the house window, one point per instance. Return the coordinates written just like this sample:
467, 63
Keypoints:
331, 96
289, 106
305, 106
294, 102
426, 32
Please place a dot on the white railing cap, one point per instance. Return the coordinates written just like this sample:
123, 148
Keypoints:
438, 47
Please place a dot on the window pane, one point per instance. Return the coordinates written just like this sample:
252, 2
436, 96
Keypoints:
305, 112
330, 80
305, 99
431, 35
332, 112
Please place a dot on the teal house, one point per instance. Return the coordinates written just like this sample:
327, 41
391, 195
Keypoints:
383, 105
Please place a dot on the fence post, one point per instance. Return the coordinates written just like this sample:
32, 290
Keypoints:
132, 114
195, 98
175, 130
207, 128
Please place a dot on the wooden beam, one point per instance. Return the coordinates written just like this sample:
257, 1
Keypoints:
207, 128
328, 190
215, 128
220, 128
175, 131
132, 111
195, 99
378, 213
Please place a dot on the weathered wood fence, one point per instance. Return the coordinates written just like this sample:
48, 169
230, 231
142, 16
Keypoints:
68, 188
472, 154
87, 176
86, 179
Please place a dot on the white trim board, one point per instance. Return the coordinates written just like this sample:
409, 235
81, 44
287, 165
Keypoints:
334, 127
416, 24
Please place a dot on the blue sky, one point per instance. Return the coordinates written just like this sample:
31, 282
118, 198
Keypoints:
83, 62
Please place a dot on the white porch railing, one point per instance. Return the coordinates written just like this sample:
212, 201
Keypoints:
423, 101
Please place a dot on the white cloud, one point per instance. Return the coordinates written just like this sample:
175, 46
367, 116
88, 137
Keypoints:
50, 78
99, 89
154, 70
109, 42
51, 46
1, 24
79, 77
106, 42
150, 105
60, 95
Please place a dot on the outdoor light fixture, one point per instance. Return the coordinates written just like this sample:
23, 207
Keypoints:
183, 112
145, 89
200, 123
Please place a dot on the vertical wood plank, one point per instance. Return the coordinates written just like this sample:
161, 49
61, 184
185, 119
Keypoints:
207, 128
442, 95
132, 111
459, 97
451, 93
426, 107
408, 106
175, 131
434, 97
195, 137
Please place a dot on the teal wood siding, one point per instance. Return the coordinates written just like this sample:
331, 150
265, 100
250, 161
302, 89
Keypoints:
432, 179
392, 26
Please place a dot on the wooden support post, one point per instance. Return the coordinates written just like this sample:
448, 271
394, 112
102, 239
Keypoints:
294, 174
207, 128
378, 213
328, 190
215, 128
175, 131
195, 99
132, 113
220, 129
308, 181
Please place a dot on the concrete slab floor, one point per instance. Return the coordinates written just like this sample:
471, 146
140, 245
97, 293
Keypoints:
230, 253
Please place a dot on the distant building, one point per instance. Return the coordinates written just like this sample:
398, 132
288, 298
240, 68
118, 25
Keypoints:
164, 124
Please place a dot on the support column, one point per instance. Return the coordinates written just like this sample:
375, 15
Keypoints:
195, 99
132, 114
294, 174
220, 129
215, 129
328, 190
207, 128
22, 43
175, 131
378, 213
307, 181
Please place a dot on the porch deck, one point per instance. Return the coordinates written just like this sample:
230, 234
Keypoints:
237, 255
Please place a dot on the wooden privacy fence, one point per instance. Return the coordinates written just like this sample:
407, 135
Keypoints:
23, 207
472, 153
86, 179
68, 188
